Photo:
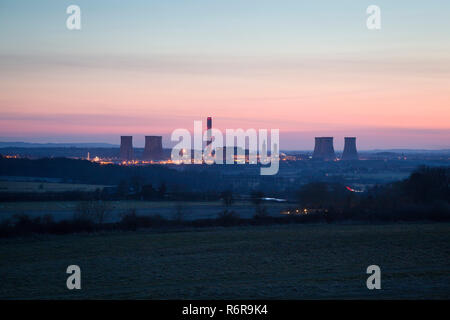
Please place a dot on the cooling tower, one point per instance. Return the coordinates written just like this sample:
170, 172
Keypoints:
126, 148
350, 152
153, 148
323, 149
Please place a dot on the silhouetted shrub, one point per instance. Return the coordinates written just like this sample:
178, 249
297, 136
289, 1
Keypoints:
228, 218
129, 220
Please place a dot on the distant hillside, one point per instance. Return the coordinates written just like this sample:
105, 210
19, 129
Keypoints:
445, 151
19, 144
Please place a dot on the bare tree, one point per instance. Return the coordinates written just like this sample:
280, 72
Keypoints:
179, 211
101, 210
227, 198
92, 210
257, 198
83, 211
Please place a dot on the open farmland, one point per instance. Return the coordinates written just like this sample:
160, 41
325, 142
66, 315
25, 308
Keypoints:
273, 262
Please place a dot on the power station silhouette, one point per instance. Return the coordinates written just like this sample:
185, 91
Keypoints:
324, 149
350, 152
209, 132
126, 148
153, 150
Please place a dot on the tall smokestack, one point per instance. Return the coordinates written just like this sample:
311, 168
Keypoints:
350, 152
153, 148
323, 149
209, 137
126, 148
209, 127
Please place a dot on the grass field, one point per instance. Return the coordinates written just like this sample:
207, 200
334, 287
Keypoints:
280, 262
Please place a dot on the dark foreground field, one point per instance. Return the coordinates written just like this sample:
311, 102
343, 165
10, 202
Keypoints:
274, 262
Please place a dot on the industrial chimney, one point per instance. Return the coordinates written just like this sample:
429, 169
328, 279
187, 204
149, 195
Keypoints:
153, 148
126, 148
350, 152
209, 127
323, 149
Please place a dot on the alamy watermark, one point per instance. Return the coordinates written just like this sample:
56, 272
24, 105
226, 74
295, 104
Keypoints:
240, 147
73, 21
374, 280
373, 21
74, 280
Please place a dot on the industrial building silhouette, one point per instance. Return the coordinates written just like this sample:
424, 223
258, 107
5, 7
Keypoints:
209, 128
126, 148
153, 149
350, 152
323, 149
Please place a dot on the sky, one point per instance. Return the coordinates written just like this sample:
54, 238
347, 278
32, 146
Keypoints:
308, 68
